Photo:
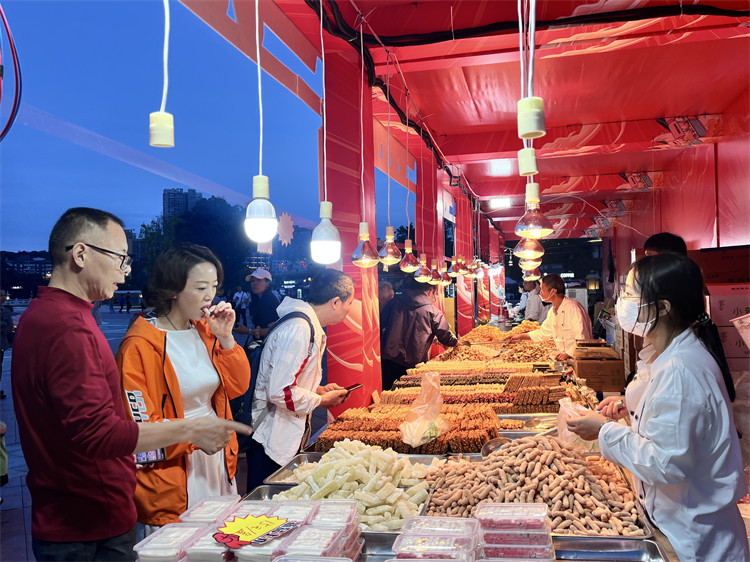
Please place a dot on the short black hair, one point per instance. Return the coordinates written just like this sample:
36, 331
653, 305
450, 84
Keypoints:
554, 281
328, 284
72, 224
666, 242
170, 272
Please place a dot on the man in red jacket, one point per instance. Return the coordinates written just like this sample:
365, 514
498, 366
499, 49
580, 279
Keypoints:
76, 437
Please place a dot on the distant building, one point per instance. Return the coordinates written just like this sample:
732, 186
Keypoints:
177, 202
23, 263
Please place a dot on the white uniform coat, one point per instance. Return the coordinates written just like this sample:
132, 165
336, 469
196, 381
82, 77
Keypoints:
683, 451
566, 325
288, 399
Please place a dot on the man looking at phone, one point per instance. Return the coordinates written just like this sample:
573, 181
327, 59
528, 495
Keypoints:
288, 387
76, 436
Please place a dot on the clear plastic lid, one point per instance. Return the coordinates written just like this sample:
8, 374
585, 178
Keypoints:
205, 548
524, 551
257, 553
335, 511
435, 546
518, 536
511, 515
313, 541
209, 510
254, 507
295, 510
440, 526
168, 543
298, 558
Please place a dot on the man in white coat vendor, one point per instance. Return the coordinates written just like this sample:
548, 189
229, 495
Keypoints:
681, 445
288, 387
567, 322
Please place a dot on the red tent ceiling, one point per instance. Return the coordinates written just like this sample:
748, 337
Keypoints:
623, 97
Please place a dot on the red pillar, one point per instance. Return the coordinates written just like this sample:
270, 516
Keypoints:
353, 345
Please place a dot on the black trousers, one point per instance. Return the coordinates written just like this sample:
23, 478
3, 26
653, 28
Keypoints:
391, 372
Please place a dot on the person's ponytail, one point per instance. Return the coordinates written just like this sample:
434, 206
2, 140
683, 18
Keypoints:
708, 333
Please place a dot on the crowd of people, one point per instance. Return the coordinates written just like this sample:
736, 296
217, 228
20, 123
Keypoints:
118, 446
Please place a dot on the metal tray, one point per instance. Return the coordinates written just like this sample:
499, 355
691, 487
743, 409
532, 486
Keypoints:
609, 549
280, 476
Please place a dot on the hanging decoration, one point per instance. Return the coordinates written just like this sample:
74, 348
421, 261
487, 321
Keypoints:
161, 123
325, 243
260, 218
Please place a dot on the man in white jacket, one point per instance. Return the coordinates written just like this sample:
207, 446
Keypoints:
288, 387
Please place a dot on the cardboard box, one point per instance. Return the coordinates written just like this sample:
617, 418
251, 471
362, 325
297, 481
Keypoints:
727, 301
732, 342
723, 265
738, 364
602, 375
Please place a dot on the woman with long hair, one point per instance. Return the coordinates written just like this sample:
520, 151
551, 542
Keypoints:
681, 445
182, 362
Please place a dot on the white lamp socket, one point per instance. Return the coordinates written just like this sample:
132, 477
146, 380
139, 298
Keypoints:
532, 193
364, 231
527, 162
161, 129
531, 118
260, 187
326, 210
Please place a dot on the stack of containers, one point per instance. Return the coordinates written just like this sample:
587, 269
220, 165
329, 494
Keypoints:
169, 544
428, 538
515, 531
298, 511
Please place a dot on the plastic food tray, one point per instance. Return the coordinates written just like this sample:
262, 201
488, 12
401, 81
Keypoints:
283, 476
209, 510
590, 549
440, 526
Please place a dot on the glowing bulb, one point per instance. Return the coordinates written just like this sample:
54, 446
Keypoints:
410, 263
533, 223
325, 244
423, 274
532, 275
364, 255
445, 278
480, 270
260, 218
389, 254
453, 269
435, 276
528, 265
462, 269
528, 249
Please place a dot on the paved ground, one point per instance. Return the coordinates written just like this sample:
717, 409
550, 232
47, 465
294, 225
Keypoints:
15, 510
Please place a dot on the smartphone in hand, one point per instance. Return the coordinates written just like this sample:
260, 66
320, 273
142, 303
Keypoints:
349, 389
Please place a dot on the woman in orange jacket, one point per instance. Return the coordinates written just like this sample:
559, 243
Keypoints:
183, 362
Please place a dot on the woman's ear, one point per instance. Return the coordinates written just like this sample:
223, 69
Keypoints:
665, 307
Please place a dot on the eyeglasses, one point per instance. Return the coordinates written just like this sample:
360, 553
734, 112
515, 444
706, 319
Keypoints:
624, 295
126, 259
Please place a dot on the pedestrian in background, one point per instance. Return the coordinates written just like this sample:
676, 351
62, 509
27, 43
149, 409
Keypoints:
6, 331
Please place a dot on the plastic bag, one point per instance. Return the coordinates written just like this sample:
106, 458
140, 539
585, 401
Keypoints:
569, 409
423, 421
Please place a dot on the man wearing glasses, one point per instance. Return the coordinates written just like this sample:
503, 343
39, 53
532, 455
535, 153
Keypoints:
77, 438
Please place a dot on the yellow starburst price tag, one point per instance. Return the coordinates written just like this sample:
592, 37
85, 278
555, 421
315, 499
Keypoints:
252, 530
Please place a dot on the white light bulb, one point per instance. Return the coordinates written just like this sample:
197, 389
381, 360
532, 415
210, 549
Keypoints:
325, 244
260, 218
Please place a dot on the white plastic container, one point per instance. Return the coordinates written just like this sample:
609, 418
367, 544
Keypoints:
517, 536
210, 510
168, 544
531, 516
313, 541
254, 507
300, 511
440, 526
206, 548
525, 551
455, 547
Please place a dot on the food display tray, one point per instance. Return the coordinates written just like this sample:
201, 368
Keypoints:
279, 478
608, 549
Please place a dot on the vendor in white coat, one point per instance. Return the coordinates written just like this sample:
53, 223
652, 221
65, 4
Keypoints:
567, 322
681, 445
288, 387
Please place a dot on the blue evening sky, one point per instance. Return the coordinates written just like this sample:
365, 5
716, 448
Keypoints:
91, 74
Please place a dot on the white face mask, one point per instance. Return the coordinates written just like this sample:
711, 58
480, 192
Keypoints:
627, 314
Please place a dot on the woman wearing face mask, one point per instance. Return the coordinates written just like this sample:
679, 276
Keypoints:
681, 445
183, 362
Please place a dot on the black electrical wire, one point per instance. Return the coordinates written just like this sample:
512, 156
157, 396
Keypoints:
17, 74
341, 29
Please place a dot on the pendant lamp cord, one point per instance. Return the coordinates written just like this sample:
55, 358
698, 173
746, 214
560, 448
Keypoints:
165, 86
260, 93
361, 111
408, 221
388, 138
323, 69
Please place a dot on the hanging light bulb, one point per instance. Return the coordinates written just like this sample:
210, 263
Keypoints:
528, 265
445, 278
325, 244
389, 253
462, 269
531, 275
471, 271
364, 255
423, 274
533, 223
410, 263
453, 269
435, 276
528, 249
480, 270
260, 218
